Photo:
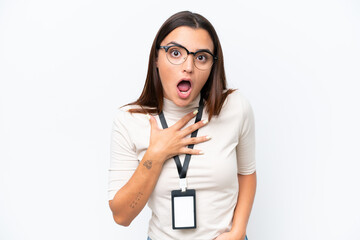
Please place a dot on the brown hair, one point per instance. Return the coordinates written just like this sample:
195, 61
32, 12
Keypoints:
212, 92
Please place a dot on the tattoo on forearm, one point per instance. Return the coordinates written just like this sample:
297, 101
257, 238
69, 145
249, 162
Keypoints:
148, 164
136, 201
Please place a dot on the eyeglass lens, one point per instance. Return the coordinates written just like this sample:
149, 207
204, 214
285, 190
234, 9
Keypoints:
177, 55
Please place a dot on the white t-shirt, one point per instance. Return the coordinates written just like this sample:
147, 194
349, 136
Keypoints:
231, 151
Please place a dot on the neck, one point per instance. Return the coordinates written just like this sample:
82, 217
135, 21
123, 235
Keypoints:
170, 108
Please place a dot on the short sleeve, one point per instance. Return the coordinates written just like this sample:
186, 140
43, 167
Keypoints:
245, 150
123, 159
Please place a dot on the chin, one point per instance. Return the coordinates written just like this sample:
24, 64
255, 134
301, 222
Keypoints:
182, 102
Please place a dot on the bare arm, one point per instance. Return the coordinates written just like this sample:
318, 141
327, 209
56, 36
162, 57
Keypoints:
164, 144
132, 197
247, 189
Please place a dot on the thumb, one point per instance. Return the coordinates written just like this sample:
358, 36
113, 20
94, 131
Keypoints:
152, 120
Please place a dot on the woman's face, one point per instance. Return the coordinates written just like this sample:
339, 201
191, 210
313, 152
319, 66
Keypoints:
185, 77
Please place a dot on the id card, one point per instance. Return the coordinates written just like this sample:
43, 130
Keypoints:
183, 209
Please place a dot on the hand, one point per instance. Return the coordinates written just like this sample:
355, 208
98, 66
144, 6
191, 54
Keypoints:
171, 141
229, 236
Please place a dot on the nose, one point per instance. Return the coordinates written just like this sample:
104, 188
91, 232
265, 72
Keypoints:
188, 65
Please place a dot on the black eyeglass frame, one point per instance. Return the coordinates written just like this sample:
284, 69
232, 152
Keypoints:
187, 51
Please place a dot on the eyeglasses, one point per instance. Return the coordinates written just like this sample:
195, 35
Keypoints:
177, 54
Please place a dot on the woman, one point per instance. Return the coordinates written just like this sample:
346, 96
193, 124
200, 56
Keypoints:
185, 79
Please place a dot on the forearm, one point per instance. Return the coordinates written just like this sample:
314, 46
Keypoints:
133, 196
247, 189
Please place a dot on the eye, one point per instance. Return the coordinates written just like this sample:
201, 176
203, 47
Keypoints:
202, 57
175, 53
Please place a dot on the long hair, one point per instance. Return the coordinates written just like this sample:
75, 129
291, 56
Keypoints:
213, 94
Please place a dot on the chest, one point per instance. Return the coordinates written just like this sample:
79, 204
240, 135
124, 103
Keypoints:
216, 169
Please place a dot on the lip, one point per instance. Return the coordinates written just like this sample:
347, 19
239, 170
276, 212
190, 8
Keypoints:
181, 95
185, 79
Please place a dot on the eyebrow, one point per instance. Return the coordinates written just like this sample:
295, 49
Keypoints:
197, 50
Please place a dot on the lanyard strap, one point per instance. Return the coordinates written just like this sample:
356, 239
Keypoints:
182, 170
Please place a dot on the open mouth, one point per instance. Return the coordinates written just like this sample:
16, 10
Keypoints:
184, 88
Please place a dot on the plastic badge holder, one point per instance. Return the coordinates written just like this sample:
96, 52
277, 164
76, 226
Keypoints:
183, 209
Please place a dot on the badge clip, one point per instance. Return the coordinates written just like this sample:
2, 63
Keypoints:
183, 184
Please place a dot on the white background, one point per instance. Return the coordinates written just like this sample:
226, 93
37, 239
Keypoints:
66, 66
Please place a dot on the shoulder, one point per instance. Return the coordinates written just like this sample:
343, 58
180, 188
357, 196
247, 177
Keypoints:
237, 101
124, 117
122, 113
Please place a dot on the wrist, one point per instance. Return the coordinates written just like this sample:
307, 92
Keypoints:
238, 234
155, 155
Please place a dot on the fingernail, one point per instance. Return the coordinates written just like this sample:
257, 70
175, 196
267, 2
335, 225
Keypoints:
201, 152
148, 116
205, 121
208, 137
195, 112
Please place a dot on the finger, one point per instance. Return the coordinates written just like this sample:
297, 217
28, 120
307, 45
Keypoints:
195, 140
186, 150
152, 120
193, 127
184, 120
